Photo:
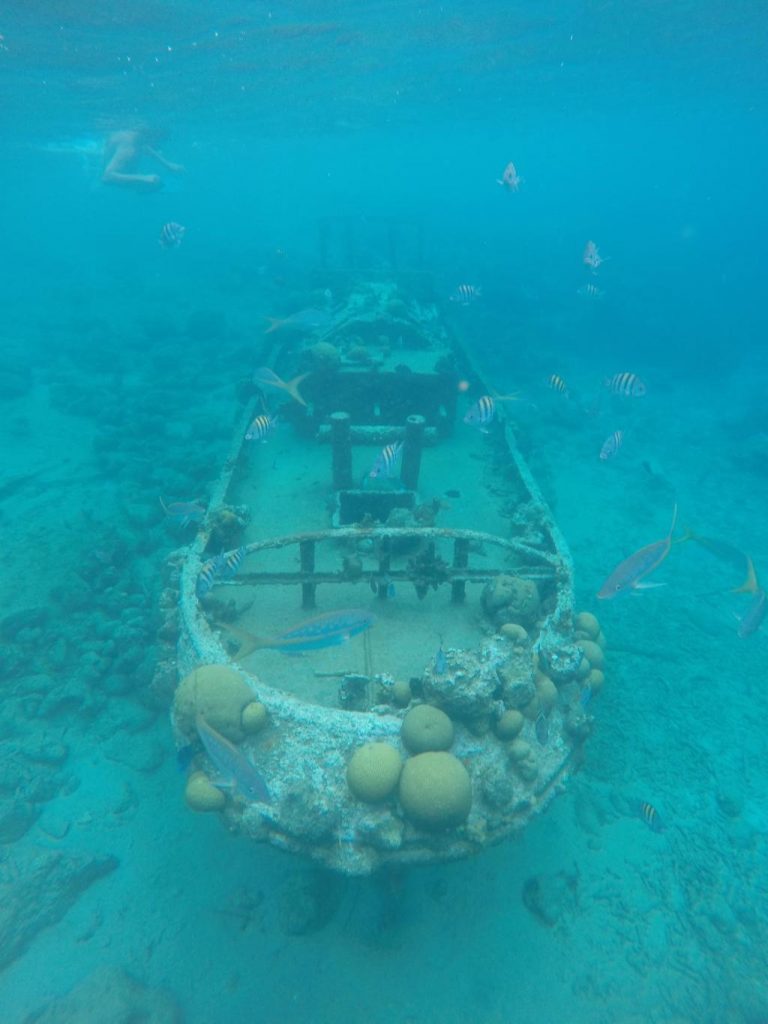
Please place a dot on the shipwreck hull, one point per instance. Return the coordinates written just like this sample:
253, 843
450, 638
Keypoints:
447, 580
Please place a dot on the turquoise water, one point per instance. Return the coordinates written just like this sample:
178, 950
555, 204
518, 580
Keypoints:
638, 126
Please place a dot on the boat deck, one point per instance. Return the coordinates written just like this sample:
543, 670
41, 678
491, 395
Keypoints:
287, 483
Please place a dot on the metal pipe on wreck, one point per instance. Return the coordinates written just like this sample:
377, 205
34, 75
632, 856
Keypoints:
341, 450
412, 445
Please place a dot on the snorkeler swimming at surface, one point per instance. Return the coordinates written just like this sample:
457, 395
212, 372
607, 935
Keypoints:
123, 151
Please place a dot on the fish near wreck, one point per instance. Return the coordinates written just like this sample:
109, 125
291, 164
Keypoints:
235, 770
630, 573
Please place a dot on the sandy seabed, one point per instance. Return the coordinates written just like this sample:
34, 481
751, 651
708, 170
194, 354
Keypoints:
590, 917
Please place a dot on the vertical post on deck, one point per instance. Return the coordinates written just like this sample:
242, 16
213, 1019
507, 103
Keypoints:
414, 442
384, 565
460, 561
341, 450
307, 558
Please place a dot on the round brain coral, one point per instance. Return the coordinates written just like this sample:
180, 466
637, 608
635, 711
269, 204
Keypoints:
373, 771
426, 727
202, 795
219, 694
435, 790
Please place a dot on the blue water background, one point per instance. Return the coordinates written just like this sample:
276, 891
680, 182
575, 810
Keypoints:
640, 126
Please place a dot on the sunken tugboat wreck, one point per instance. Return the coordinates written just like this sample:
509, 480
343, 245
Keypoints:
379, 659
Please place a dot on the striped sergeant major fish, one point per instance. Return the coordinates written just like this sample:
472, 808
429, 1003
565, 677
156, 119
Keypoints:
385, 463
648, 813
466, 294
235, 770
231, 562
171, 235
556, 383
222, 567
611, 445
590, 291
627, 384
210, 572
261, 427
483, 411
630, 573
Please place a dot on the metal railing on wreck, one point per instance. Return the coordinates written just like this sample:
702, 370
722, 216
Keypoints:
424, 573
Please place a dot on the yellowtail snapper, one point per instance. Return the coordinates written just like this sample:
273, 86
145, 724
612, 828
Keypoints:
183, 512
235, 770
303, 322
752, 619
263, 377
628, 575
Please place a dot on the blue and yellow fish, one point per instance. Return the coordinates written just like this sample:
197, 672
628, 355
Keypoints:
235, 770
326, 630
